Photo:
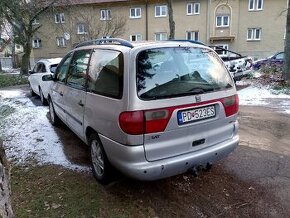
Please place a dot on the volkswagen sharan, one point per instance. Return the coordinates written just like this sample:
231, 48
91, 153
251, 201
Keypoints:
150, 110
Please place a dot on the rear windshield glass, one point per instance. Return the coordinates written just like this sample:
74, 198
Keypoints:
53, 67
181, 71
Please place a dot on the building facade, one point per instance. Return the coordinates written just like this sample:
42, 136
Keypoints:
250, 27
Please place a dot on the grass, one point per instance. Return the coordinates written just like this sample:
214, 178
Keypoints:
12, 80
50, 191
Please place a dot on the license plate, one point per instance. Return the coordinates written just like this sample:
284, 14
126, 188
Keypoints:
196, 114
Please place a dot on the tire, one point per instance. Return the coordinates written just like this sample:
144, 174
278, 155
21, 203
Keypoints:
42, 99
31, 91
101, 167
54, 119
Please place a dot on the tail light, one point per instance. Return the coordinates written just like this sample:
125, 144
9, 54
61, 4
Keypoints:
231, 105
142, 122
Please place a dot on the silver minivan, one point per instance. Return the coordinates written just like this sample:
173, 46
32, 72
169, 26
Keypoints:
150, 109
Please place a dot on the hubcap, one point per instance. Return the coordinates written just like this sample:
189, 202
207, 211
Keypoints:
51, 112
97, 158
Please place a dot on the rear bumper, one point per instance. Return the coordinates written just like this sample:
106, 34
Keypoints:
131, 160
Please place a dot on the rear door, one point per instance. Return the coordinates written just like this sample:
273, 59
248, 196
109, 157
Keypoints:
75, 92
183, 90
58, 88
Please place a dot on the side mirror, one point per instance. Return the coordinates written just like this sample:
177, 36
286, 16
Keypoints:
48, 77
31, 72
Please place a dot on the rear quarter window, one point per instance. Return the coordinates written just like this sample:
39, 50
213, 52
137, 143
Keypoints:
106, 73
180, 71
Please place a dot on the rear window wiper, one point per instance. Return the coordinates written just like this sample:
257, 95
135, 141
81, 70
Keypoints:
199, 90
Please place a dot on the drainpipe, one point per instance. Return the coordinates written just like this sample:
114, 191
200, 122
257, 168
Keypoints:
146, 21
208, 20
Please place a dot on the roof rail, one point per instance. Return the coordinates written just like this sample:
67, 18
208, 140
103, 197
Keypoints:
184, 40
105, 41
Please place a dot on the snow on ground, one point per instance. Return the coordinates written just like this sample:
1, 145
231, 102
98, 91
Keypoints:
28, 134
255, 96
11, 70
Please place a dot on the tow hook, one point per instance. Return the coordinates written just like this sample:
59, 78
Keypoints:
194, 171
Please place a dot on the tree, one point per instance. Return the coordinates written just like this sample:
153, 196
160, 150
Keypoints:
171, 20
20, 14
94, 28
286, 73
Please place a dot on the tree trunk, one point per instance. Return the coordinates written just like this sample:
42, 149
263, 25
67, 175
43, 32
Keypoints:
14, 65
171, 20
0, 66
286, 73
25, 62
5, 193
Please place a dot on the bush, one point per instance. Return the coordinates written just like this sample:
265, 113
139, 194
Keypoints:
12, 80
271, 69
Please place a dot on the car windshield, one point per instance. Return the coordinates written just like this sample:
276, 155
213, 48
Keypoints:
180, 71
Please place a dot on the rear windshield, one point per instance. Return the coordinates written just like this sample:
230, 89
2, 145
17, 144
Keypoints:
53, 67
180, 71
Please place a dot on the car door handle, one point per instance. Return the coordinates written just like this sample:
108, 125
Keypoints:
81, 103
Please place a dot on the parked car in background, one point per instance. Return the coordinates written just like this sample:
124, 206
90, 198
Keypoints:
37, 84
237, 64
149, 109
276, 60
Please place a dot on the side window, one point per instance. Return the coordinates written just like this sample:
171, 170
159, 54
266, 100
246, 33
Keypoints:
106, 73
78, 69
35, 68
280, 56
62, 68
43, 69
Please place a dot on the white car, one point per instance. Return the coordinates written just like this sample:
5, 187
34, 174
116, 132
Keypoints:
36, 79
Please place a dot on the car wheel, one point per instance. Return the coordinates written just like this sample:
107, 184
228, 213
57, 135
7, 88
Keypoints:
101, 167
42, 99
54, 119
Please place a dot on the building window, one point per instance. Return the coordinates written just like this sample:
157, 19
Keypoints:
35, 21
220, 49
222, 21
59, 18
192, 35
60, 41
106, 15
256, 5
36, 43
160, 36
136, 37
135, 12
254, 34
193, 8
161, 11
82, 28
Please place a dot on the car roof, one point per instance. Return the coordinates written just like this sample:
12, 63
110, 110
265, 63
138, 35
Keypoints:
123, 45
50, 61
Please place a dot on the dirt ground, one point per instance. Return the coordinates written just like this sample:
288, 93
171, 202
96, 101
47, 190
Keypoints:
254, 181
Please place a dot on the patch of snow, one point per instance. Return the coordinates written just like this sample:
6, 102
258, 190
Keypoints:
255, 96
11, 70
28, 134
12, 93
257, 74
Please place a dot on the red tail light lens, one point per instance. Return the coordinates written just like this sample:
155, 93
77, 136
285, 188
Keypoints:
142, 122
132, 122
231, 105
156, 120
